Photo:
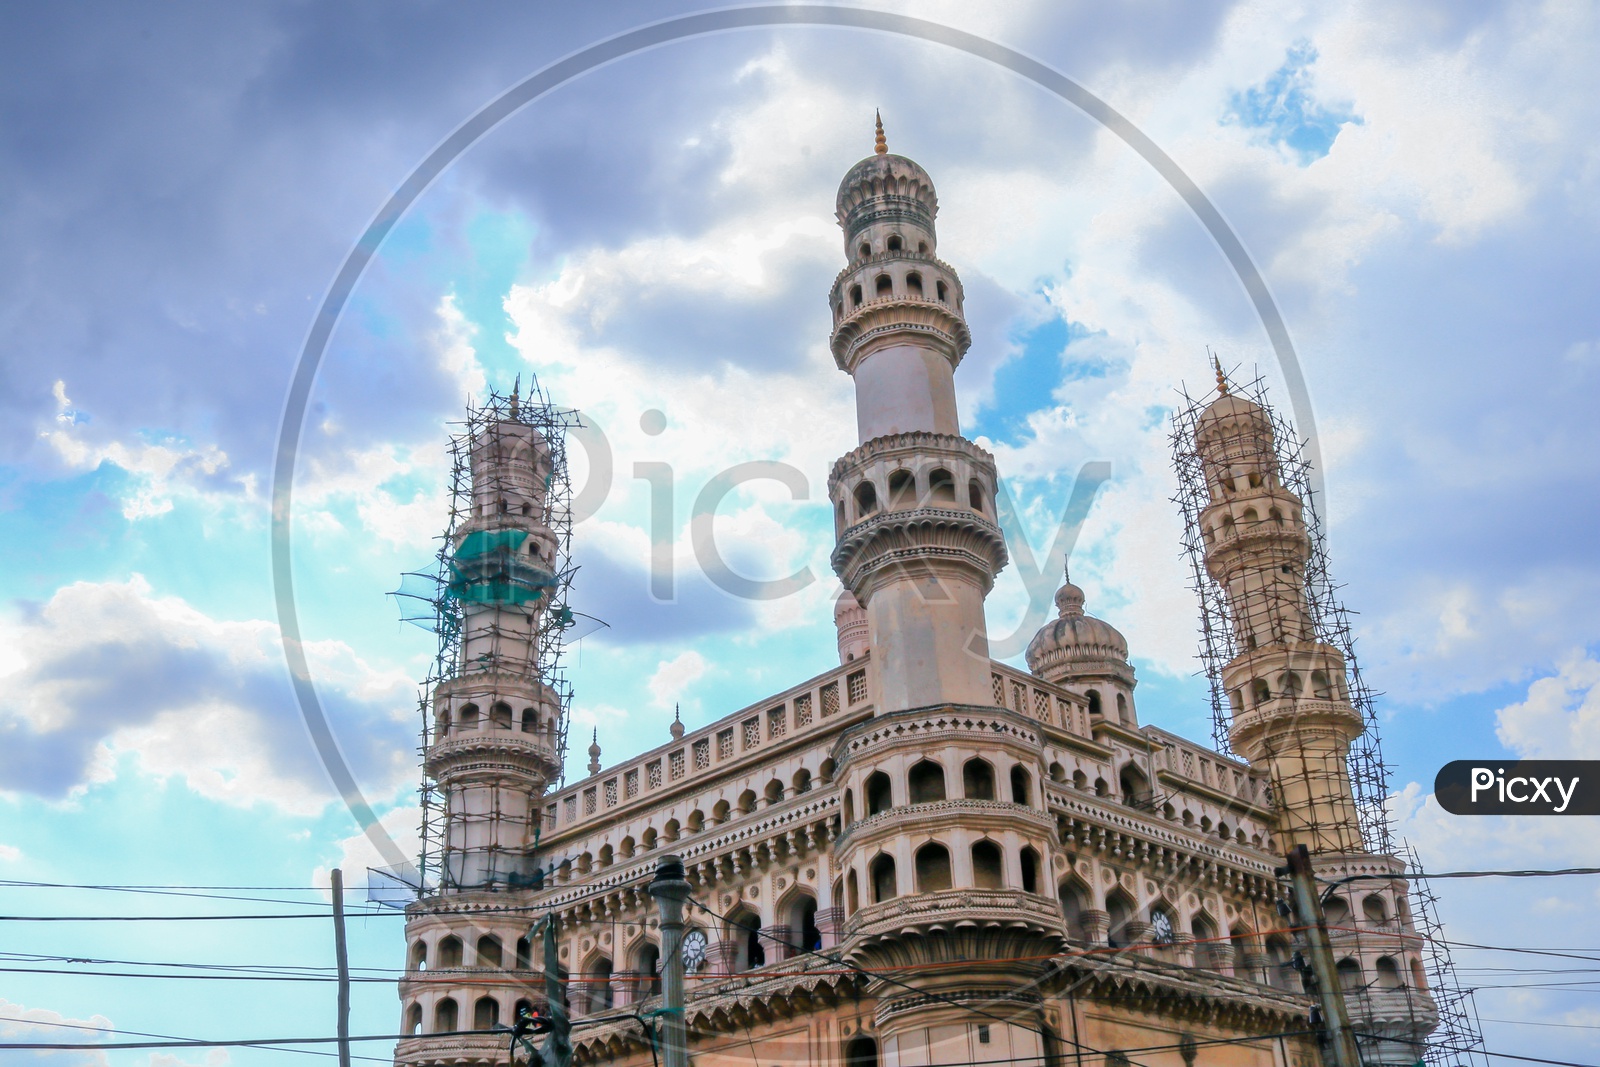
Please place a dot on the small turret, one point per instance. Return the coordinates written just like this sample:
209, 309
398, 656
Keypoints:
1087, 656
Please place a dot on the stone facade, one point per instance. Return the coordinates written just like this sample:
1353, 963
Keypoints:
1007, 866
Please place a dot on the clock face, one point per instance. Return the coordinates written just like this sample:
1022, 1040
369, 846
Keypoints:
1161, 928
694, 950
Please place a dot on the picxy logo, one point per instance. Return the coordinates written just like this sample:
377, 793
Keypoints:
1524, 787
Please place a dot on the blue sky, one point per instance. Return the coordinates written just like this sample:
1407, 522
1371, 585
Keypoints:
1416, 182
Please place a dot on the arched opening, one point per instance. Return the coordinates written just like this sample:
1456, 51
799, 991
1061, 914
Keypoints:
695, 822
942, 486
1351, 980
974, 495
914, 284
530, 721
647, 965
942, 291
489, 951
773, 792
879, 797
1030, 870
922, 247
849, 807
977, 780
1205, 942
801, 781
902, 489
522, 1010
1375, 911
524, 954
1260, 692
883, 285
862, 1051
988, 870
1280, 963
855, 296
1122, 710
1119, 911
1320, 688
1021, 786
866, 500
1418, 979
469, 717
744, 930
895, 243
926, 782
647, 840
450, 952
747, 802
419, 956
598, 985
804, 934
485, 1013
414, 1019
864, 250
1074, 901
1290, 683
933, 868
1094, 702
1135, 786
1388, 973
884, 886
1080, 781
500, 715
1335, 911
1239, 943
445, 1016
852, 892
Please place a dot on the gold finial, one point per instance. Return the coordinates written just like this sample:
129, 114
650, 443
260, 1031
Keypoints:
516, 390
1222, 379
879, 145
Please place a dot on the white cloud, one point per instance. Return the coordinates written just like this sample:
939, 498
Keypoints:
109, 671
19, 1023
162, 468
674, 676
1560, 719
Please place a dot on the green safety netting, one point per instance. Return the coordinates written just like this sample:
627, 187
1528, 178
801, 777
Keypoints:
490, 568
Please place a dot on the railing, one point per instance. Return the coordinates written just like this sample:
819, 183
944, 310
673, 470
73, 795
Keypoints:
806, 709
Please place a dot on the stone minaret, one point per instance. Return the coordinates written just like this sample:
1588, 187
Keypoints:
917, 545
1291, 708
493, 747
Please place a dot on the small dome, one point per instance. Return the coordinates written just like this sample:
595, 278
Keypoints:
1075, 644
885, 175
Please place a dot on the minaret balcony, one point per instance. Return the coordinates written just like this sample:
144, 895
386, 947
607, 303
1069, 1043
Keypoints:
1301, 717
460, 1050
882, 318
491, 750
937, 538
972, 924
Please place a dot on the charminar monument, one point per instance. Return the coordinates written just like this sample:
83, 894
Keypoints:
917, 855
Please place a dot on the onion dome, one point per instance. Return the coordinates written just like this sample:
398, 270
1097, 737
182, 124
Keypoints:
1230, 413
884, 181
594, 752
1076, 646
850, 620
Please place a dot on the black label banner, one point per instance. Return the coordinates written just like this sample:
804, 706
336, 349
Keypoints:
1519, 787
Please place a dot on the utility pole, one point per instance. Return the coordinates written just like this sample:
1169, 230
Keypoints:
671, 889
343, 959
557, 1050
1339, 1048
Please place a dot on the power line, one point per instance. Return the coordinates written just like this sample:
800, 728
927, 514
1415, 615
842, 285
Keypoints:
170, 1037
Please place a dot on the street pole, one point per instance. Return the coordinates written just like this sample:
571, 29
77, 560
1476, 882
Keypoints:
671, 890
343, 959
558, 1046
1340, 1050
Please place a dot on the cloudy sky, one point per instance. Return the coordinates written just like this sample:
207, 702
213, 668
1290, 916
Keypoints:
179, 185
